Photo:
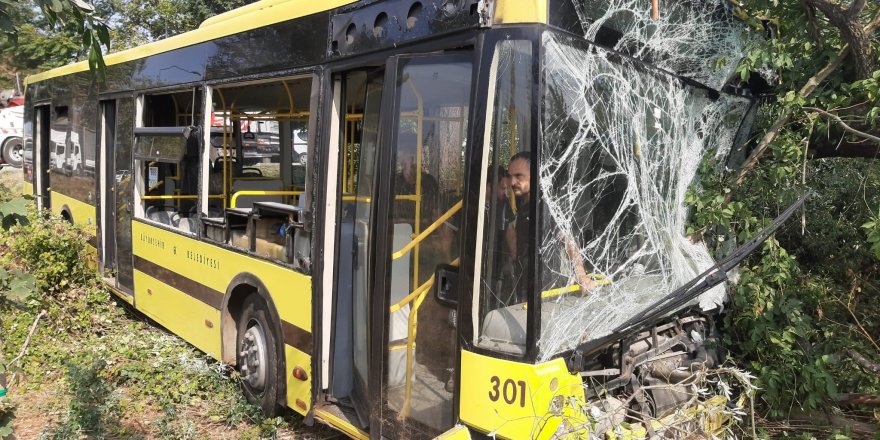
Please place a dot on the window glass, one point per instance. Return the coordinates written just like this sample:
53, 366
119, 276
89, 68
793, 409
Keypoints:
258, 159
166, 161
621, 145
433, 98
504, 277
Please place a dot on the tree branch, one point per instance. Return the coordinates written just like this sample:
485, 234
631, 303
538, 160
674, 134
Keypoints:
864, 362
856, 8
844, 125
783, 119
26, 341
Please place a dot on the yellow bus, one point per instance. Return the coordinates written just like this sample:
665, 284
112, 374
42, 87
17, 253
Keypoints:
406, 218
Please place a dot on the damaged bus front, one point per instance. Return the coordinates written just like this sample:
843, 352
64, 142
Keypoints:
591, 309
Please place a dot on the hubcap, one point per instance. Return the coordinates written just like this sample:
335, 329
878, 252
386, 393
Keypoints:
253, 356
16, 152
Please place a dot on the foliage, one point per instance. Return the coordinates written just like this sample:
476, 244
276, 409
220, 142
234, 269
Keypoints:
53, 251
14, 212
94, 35
809, 296
872, 230
110, 365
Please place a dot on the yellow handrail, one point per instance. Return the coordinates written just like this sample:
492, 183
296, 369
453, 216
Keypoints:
599, 279
178, 197
232, 203
156, 186
411, 335
452, 211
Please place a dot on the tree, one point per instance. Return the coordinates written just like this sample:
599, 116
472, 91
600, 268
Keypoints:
806, 313
93, 31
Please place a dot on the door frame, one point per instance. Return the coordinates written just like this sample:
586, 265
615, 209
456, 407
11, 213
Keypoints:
382, 230
41, 155
106, 188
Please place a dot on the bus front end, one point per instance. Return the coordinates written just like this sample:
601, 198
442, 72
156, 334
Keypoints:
592, 313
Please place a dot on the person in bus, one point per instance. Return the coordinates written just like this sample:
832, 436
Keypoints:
518, 230
497, 190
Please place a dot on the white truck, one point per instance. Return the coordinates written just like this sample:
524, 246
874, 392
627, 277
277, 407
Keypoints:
11, 130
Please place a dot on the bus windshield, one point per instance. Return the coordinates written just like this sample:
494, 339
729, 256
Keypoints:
597, 209
621, 145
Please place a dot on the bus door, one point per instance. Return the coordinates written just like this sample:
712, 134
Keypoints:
431, 99
41, 156
357, 104
402, 137
116, 122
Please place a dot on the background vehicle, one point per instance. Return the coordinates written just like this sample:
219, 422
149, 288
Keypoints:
11, 145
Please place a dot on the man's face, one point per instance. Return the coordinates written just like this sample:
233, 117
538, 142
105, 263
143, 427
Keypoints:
520, 177
408, 165
501, 189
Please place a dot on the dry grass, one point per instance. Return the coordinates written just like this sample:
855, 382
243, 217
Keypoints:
10, 180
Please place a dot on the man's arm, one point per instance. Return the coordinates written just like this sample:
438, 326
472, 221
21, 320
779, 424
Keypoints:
574, 254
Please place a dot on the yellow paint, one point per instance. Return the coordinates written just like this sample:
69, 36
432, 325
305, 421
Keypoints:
120, 294
182, 314
553, 397
290, 291
298, 389
520, 11
260, 14
341, 424
459, 432
27, 188
82, 213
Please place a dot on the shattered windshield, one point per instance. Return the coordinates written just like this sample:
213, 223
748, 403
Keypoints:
698, 39
621, 144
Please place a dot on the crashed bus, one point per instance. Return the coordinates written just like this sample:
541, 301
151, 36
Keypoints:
471, 220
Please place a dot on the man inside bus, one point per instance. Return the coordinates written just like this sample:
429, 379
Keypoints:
520, 174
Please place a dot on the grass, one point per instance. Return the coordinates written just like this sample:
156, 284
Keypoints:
96, 368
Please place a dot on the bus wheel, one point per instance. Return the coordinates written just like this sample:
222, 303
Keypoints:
258, 356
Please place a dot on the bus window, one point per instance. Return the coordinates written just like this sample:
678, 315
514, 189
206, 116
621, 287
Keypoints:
257, 158
504, 276
167, 156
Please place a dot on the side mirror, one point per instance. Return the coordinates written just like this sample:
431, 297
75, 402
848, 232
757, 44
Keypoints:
446, 285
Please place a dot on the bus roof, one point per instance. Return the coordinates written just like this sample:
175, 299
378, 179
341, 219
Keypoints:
269, 12
256, 15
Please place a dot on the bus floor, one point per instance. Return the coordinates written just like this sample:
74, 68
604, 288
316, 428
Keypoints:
430, 403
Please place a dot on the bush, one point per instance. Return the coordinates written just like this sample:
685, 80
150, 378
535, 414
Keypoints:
51, 249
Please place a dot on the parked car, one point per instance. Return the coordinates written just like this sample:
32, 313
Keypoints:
256, 146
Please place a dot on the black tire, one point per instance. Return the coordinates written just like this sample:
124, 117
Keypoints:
261, 380
13, 150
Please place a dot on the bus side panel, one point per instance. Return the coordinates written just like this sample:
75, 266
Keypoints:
180, 313
299, 392
203, 272
81, 212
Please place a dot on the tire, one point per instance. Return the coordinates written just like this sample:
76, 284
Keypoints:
13, 150
256, 351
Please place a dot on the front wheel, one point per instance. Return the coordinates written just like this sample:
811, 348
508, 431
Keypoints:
13, 150
257, 354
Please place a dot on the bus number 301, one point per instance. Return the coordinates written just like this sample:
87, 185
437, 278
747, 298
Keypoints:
510, 391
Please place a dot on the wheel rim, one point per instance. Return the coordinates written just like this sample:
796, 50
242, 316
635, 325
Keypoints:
253, 356
16, 152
